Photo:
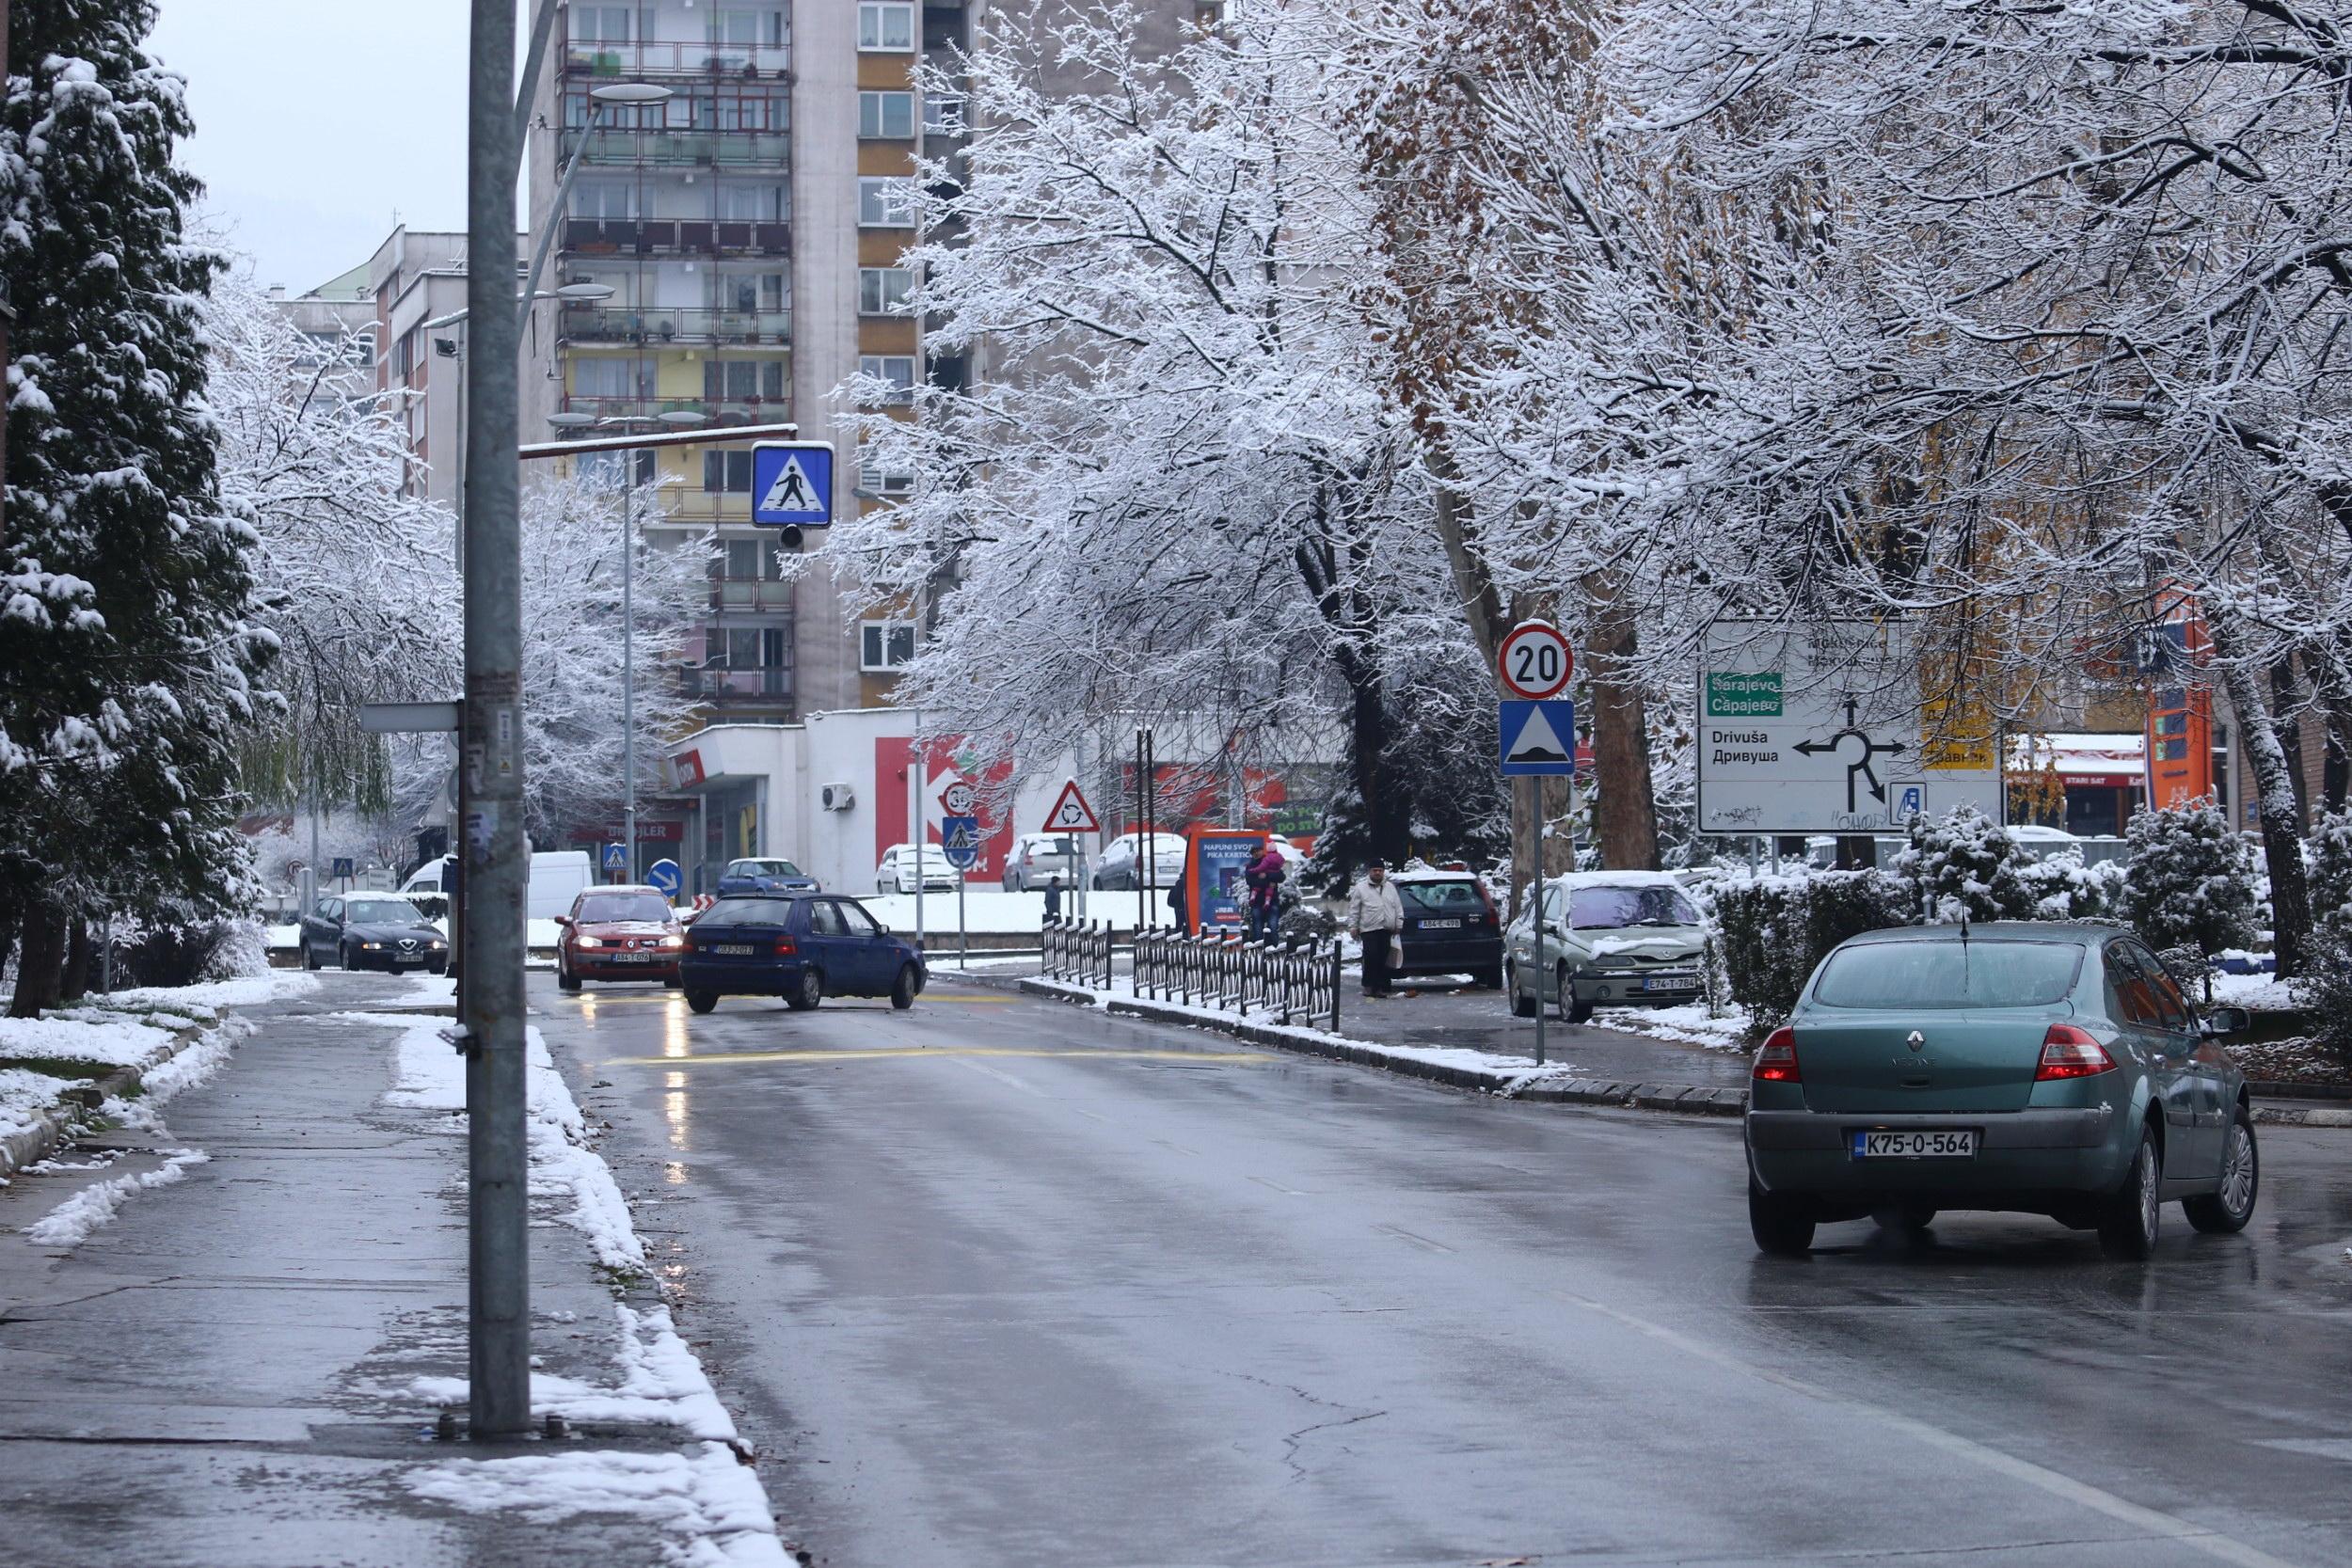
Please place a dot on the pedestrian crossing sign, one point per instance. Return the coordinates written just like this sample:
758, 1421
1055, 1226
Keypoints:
792, 483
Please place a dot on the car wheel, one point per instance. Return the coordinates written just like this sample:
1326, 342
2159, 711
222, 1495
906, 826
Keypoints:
1782, 1225
348, 956
701, 1001
810, 992
1098, 884
309, 954
436, 971
1523, 1004
1572, 1007
882, 887
565, 978
1489, 980
2226, 1210
903, 994
2131, 1216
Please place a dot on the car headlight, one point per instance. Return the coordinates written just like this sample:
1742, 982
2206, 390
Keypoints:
437, 945
672, 942
587, 942
372, 947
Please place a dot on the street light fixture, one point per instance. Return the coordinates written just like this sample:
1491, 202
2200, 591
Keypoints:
571, 419
579, 293
679, 417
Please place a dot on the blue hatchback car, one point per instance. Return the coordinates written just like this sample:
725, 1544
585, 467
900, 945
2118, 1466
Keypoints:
802, 947
764, 876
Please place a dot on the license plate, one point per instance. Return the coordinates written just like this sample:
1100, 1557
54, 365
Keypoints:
634, 958
734, 949
1951, 1144
1440, 924
1671, 982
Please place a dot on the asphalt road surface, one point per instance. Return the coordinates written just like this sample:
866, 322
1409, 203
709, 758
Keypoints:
1006, 1282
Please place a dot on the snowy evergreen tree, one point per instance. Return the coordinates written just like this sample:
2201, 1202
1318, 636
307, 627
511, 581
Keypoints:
2192, 880
1964, 864
2331, 857
127, 655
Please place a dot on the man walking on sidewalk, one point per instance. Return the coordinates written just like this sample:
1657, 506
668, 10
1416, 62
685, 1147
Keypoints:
1375, 916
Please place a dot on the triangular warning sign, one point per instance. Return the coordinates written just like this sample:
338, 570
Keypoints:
1070, 814
792, 491
1537, 743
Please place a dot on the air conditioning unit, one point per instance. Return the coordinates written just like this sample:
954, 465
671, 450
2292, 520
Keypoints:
837, 796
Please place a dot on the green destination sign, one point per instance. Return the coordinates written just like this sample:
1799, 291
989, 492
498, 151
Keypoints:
1731, 695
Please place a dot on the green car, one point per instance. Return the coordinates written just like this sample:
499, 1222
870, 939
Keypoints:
2052, 1069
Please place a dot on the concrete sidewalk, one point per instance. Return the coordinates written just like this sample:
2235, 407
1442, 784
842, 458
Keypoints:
244, 1367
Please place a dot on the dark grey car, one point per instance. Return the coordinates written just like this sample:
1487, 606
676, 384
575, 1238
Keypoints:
380, 930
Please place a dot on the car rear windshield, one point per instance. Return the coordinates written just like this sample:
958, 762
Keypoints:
1898, 976
624, 906
1615, 908
1452, 898
749, 912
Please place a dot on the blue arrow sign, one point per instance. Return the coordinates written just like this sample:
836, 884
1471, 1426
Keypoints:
665, 878
792, 483
959, 837
1538, 738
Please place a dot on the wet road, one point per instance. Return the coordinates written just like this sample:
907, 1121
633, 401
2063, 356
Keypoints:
1006, 1282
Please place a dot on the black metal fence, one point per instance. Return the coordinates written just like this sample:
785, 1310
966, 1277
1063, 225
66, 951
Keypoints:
1078, 952
1297, 982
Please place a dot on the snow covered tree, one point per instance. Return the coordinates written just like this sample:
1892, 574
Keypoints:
2191, 882
127, 655
2331, 865
1965, 865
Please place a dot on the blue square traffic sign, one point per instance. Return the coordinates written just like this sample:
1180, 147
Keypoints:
1538, 738
792, 483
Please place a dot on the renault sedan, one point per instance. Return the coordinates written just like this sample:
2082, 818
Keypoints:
2051, 1069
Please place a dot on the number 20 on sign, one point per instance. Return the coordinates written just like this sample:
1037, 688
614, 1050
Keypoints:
1533, 662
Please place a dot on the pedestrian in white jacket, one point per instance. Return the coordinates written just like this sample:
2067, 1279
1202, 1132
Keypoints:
1375, 916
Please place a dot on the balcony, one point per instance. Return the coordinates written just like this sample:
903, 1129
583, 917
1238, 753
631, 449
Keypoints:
728, 412
589, 323
737, 594
625, 147
673, 57
675, 237
730, 687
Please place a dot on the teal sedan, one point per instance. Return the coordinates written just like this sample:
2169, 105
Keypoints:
2051, 1069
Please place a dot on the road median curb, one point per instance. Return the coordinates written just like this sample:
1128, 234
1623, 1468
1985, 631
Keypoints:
1682, 1099
77, 1105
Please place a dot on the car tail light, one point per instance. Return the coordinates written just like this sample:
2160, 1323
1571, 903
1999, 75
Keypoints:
1776, 1059
2071, 1053
786, 947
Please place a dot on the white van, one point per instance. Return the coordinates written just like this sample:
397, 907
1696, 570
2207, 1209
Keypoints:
557, 878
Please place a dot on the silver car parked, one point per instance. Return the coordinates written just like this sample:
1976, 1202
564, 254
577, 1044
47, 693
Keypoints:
1611, 939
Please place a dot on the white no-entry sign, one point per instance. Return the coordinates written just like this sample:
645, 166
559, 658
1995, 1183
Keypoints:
1534, 661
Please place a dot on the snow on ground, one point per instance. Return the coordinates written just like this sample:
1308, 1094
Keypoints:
250, 991
88, 1035
710, 1502
72, 1221
1688, 1023
128, 1029
2264, 992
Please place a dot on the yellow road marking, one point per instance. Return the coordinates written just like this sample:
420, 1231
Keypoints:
872, 1054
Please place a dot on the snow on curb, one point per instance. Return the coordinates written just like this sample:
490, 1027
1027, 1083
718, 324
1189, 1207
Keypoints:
160, 1052
710, 1500
72, 1221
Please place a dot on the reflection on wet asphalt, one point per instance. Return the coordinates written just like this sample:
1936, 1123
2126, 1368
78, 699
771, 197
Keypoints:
1002, 1281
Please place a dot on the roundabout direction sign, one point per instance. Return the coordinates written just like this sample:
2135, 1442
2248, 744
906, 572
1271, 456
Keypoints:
1533, 662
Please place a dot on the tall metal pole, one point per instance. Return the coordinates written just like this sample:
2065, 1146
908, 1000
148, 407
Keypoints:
491, 770
1543, 970
629, 662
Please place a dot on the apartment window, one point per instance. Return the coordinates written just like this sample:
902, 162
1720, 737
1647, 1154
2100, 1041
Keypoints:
601, 24
884, 291
742, 380
884, 645
611, 378
885, 25
896, 368
885, 202
748, 29
405, 354
728, 473
887, 115
745, 109
740, 202
604, 199
942, 114
748, 292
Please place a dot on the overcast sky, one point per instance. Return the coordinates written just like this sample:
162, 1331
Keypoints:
320, 123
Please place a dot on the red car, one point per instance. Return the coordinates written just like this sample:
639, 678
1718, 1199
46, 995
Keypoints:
619, 933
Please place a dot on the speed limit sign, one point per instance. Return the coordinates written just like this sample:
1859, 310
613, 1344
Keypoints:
1534, 661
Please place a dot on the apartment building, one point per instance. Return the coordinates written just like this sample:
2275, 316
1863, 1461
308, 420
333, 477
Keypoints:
416, 284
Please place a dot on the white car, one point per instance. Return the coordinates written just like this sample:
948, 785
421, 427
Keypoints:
1121, 863
1037, 859
896, 873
